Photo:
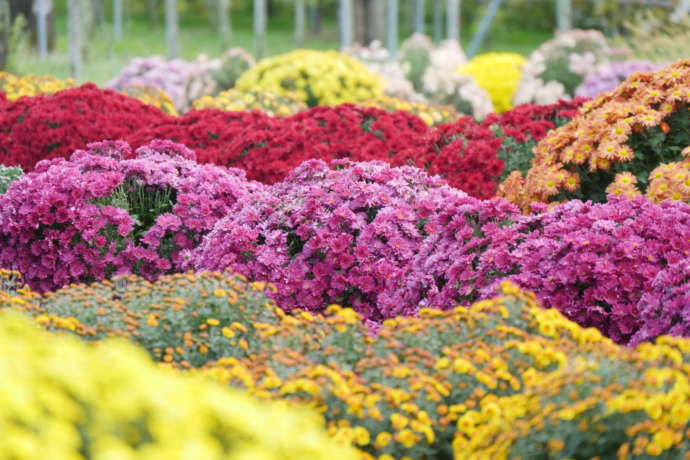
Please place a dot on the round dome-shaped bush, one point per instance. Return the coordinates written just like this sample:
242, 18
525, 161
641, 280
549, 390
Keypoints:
50, 126
110, 401
99, 214
665, 308
498, 74
335, 233
317, 77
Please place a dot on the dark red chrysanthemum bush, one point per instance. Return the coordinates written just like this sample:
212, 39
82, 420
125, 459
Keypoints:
50, 126
329, 233
99, 214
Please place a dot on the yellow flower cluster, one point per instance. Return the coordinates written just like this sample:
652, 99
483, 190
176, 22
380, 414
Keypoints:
604, 140
316, 77
15, 87
432, 114
234, 100
498, 74
151, 96
63, 399
503, 378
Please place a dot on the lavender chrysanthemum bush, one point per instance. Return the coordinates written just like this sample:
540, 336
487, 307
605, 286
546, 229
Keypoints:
592, 262
450, 266
665, 308
102, 213
610, 75
329, 233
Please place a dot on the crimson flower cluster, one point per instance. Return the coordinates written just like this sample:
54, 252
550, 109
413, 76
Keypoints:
99, 214
329, 233
665, 308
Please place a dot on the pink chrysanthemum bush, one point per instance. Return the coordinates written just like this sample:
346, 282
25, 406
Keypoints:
329, 233
593, 262
450, 266
103, 212
665, 308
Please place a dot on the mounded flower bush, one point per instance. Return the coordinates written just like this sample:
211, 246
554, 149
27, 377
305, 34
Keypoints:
329, 233
99, 213
234, 100
51, 126
498, 74
607, 77
665, 308
614, 144
15, 87
110, 401
317, 77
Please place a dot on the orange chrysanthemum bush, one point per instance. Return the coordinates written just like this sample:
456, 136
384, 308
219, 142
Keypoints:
503, 378
634, 140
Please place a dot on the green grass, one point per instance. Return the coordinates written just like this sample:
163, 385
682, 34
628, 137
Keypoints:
105, 58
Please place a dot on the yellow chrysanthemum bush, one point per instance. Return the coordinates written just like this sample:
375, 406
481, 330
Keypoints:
234, 100
317, 77
432, 114
15, 87
634, 140
498, 74
503, 378
63, 399
151, 96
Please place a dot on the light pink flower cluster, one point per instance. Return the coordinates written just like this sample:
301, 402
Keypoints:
99, 213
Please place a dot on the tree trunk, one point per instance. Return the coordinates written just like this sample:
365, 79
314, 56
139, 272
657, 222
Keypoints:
392, 27
314, 17
117, 19
223, 8
300, 13
171, 25
98, 14
75, 47
259, 28
345, 22
152, 11
5, 27
376, 21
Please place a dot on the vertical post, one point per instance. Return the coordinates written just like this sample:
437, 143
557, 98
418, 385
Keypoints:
171, 28
117, 19
453, 20
419, 18
564, 14
483, 28
300, 16
74, 39
259, 28
41, 10
5, 26
438, 20
345, 20
392, 26
224, 22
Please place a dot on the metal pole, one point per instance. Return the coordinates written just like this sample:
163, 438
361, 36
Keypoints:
419, 18
564, 14
74, 39
42, 20
483, 28
392, 26
224, 22
453, 20
438, 20
117, 19
259, 28
345, 20
171, 28
300, 16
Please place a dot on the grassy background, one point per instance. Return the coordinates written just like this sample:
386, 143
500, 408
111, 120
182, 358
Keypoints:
105, 58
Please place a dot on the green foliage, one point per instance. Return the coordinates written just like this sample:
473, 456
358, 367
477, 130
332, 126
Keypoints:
9, 174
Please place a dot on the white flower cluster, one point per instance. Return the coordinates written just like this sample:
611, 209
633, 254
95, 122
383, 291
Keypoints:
442, 84
377, 59
559, 66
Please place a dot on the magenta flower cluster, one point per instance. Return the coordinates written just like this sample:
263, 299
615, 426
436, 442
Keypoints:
665, 308
103, 212
330, 233
457, 259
